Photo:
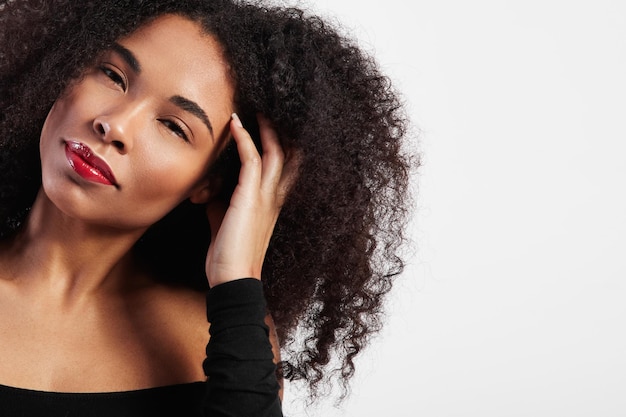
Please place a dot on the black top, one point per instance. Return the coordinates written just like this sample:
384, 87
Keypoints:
239, 366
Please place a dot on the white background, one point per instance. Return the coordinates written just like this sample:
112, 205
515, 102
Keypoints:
515, 301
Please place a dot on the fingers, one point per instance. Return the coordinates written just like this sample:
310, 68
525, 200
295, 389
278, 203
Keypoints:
289, 175
274, 173
273, 155
250, 159
282, 169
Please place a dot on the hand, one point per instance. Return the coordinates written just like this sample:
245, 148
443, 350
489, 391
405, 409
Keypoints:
241, 232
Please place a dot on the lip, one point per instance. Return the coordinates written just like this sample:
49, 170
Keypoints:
86, 164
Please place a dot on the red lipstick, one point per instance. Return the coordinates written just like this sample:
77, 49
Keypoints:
87, 165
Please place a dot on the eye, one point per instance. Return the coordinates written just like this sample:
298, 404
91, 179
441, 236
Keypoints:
114, 76
176, 128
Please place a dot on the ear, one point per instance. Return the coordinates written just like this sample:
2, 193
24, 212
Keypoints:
205, 191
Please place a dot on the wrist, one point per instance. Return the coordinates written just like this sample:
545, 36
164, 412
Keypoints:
223, 276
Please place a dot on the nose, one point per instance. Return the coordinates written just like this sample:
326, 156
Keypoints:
113, 133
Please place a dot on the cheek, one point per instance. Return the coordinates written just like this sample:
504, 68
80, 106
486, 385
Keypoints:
50, 131
167, 175
63, 113
52, 121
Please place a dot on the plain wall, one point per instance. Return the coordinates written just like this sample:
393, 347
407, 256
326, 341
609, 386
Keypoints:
515, 301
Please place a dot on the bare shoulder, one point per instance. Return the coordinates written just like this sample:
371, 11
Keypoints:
174, 329
177, 308
180, 299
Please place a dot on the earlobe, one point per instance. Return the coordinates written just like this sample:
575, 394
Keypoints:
206, 191
202, 195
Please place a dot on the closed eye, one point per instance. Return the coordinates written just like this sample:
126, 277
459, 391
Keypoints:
176, 128
114, 76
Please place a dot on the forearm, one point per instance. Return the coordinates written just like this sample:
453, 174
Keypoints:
239, 364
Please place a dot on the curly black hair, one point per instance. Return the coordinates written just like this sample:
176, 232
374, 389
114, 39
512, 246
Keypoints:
338, 241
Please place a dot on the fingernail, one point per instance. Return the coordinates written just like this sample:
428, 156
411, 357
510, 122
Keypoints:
236, 119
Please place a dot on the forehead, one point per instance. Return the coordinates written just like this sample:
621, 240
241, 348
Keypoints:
177, 36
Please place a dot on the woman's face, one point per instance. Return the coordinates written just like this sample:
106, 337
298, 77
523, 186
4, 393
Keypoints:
135, 136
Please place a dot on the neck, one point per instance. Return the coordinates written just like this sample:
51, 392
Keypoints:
69, 258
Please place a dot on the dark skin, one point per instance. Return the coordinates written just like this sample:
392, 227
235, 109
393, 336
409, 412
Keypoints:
72, 301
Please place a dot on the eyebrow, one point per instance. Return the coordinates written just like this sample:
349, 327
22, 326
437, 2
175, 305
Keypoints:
128, 56
193, 108
182, 102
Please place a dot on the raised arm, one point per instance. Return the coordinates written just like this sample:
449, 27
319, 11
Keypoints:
240, 367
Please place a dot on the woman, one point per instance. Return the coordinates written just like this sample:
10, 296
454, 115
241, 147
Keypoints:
124, 200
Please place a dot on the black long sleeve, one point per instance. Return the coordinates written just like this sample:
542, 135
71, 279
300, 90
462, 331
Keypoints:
239, 364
